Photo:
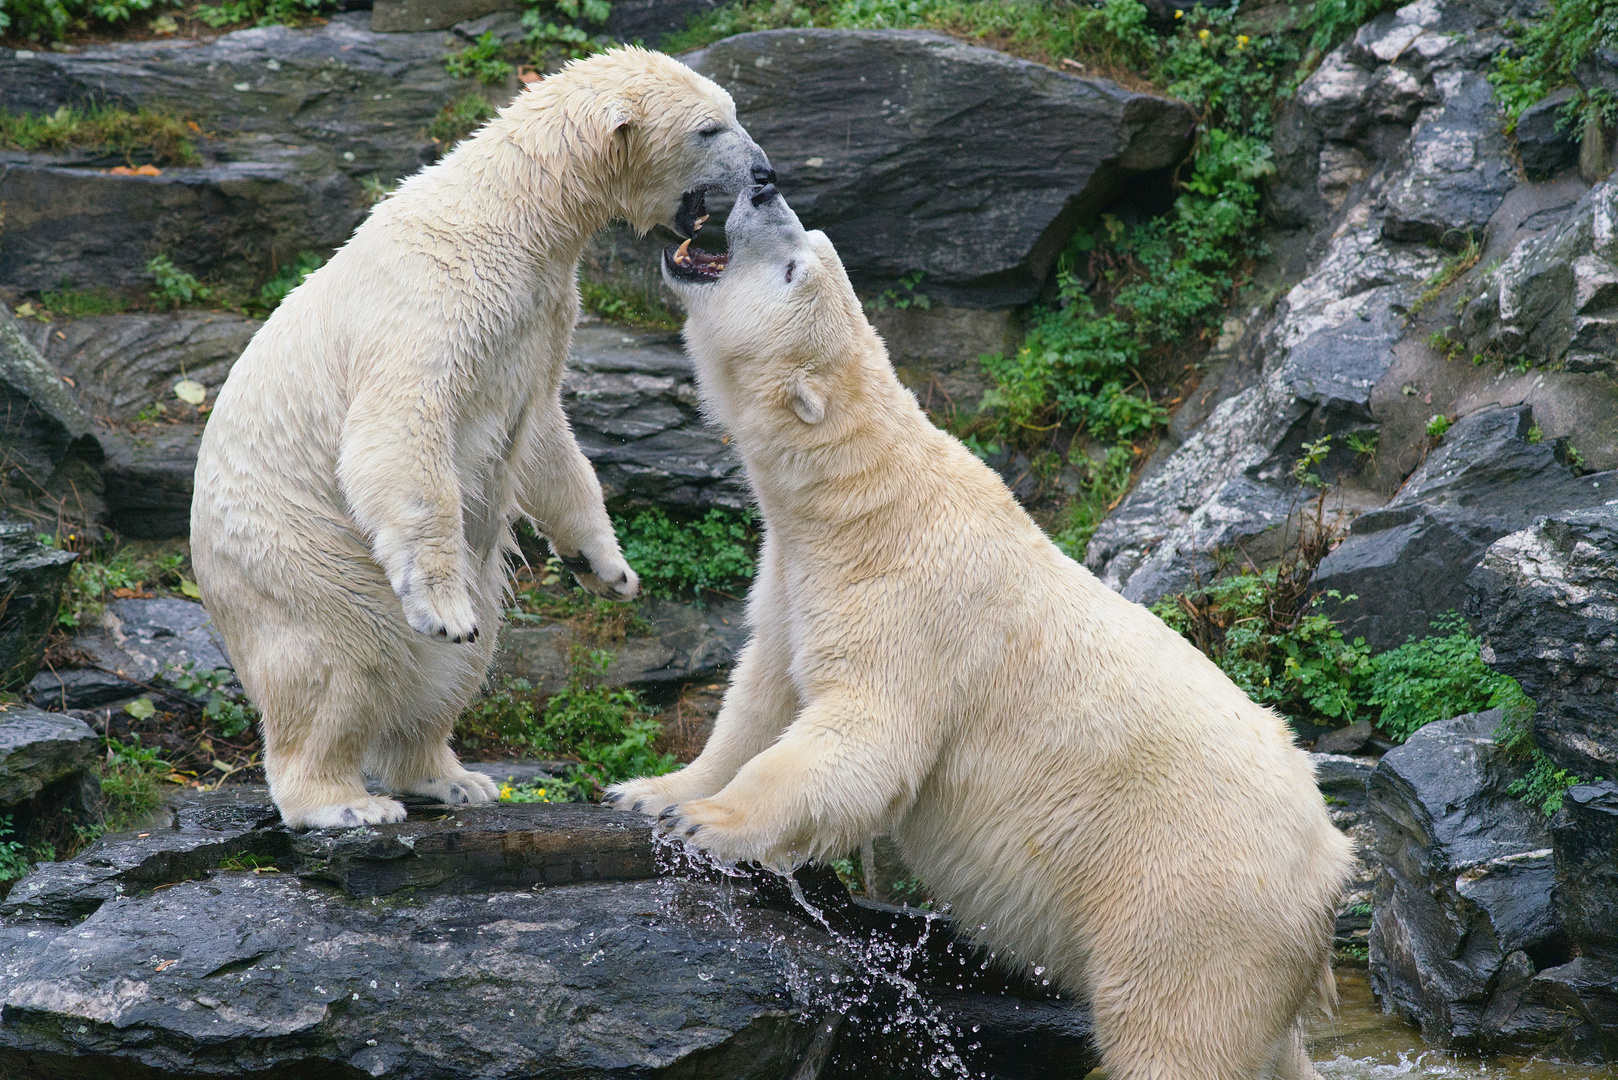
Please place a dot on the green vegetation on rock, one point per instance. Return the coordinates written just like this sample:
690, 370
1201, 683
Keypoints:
712, 553
147, 135
459, 119
262, 12
1544, 55
134, 784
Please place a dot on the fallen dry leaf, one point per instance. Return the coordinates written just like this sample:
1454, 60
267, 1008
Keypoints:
190, 391
166, 964
140, 170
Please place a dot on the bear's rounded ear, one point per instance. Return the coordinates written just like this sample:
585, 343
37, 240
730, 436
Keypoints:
804, 399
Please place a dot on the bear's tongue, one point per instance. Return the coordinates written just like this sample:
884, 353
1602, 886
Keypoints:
699, 261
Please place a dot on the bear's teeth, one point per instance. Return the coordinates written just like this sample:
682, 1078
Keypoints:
699, 223
683, 256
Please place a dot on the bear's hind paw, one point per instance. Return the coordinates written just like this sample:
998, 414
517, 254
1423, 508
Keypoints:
466, 789
368, 810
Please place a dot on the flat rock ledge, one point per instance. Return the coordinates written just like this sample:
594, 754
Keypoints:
530, 941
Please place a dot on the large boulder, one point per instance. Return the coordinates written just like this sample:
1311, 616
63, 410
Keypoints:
1585, 837
1407, 563
1466, 938
528, 941
48, 783
1546, 601
294, 119
917, 152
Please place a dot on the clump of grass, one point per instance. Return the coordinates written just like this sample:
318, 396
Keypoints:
263, 12
69, 303
459, 119
149, 135
135, 782
620, 303
1101, 485
99, 576
1448, 273
1546, 53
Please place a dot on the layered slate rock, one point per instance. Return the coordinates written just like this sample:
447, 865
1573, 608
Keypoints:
526, 941
141, 645
295, 119
1585, 839
916, 152
1466, 940
1391, 148
39, 749
686, 642
644, 21
632, 398
1546, 600
1407, 563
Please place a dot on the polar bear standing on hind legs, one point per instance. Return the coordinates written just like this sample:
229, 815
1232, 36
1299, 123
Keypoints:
1079, 782
365, 461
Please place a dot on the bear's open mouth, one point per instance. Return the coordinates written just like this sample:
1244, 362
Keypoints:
684, 261
688, 263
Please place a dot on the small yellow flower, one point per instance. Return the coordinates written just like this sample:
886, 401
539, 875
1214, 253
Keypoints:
1178, 13
505, 791
1242, 40
1203, 35
541, 793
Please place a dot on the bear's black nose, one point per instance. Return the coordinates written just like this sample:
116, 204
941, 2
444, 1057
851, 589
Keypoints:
764, 194
763, 174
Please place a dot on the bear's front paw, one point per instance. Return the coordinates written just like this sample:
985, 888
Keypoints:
466, 787
441, 611
650, 794
723, 831
607, 575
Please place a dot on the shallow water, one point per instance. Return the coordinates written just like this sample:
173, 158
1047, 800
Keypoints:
1361, 1043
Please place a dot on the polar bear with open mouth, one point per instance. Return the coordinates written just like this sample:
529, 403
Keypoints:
1076, 779
365, 461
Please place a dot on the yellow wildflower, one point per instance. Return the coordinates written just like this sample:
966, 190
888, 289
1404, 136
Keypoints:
1242, 40
1178, 13
505, 791
1203, 35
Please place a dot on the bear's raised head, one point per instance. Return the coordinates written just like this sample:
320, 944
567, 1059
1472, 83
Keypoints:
779, 339
640, 130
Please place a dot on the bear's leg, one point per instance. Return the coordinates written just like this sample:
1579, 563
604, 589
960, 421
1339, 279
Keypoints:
759, 704
847, 767
396, 467
313, 758
561, 494
425, 765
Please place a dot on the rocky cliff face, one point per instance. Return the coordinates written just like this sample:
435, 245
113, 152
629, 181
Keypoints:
1391, 160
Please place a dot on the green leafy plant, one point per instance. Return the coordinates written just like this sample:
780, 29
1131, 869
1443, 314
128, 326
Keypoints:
97, 575
134, 783
482, 60
1437, 425
287, 278
1363, 444
175, 287
38, 20
459, 119
262, 12
903, 296
1434, 678
1101, 484
711, 553
15, 860
230, 712
1546, 53
1544, 785
147, 134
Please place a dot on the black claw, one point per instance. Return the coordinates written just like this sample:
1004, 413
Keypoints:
638, 804
669, 812
443, 632
473, 636
692, 831
764, 194
576, 564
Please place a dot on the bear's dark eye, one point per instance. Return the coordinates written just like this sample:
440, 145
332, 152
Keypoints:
791, 266
711, 130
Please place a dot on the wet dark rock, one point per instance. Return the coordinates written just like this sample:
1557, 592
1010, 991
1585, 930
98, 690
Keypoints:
150, 643
1546, 600
1544, 147
1014, 154
48, 452
1408, 562
687, 642
39, 749
1350, 739
1465, 925
317, 110
550, 941
1342, 780
31, 580
1467, 170
77, 688
1585, 836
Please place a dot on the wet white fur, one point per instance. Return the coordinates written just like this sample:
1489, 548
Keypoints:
1086, 789
363, 465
